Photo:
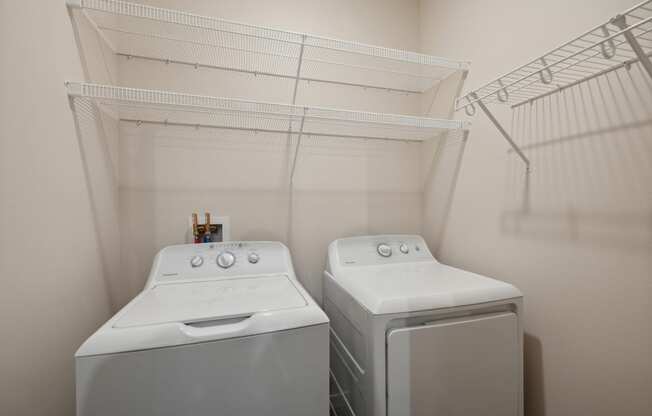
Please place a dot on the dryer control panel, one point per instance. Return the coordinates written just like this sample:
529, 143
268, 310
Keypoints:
220, 261
381, 249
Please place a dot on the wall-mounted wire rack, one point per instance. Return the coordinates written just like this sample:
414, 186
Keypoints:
138, 31
623, 40
142, 106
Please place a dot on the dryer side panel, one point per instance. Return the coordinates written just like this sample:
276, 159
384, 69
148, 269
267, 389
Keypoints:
458, 367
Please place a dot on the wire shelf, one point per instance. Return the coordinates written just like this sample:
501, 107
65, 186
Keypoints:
622, 41
143, 106
152, 33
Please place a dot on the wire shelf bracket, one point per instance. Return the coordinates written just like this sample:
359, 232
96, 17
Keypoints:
620, 21
503, 132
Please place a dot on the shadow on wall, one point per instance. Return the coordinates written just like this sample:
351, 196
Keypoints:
98, 139
439, 187
535, 403
590, 148
97, 135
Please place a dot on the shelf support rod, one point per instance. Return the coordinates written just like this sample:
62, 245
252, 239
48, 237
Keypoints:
620, 22
502, 131
296, 150
303, 118
298, 75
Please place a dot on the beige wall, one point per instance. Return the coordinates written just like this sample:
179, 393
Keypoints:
56, 247
581, 252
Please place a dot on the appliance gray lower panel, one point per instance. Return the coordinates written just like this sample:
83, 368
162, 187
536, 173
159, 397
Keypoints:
456, 367
284, 374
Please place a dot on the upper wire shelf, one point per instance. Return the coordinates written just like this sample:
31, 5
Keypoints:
151, 33
622, 41
142, 106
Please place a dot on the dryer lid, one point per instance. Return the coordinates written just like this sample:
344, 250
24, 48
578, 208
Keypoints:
418, 286
211, 300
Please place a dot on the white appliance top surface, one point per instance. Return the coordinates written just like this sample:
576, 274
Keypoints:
211, 300
407, 282
192, 297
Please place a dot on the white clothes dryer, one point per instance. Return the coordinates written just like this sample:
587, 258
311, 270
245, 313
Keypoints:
411, 336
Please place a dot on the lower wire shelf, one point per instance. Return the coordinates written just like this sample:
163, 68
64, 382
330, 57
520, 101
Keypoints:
338, 402
142, 106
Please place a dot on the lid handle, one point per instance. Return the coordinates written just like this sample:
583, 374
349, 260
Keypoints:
211, 328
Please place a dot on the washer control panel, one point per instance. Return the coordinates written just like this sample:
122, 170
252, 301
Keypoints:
381, 249
220, 260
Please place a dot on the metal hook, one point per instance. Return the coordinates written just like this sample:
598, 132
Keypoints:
502, 93
611, 51
469, 109
546, 79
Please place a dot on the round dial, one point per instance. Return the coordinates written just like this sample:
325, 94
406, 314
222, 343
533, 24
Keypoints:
225, 259
196, 261
384, 250
253, 258
404, 248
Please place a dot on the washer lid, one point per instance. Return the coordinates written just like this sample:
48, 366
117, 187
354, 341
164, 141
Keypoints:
411, 287
211, 300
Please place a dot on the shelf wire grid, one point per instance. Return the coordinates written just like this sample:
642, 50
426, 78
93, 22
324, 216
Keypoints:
596, 52
152, 33
143, 106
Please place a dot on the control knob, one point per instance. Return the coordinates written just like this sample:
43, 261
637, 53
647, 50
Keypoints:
253, 258
404, 248
384, 250
225, 259
196, 261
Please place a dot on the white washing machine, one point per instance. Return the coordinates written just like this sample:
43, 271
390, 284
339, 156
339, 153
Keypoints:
220, 329
411, 336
